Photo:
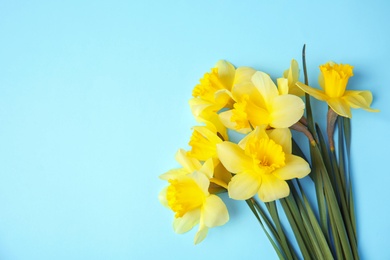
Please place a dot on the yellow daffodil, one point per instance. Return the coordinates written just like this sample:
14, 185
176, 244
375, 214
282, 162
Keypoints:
259, 102
262, 163
213, 91
187, 195
333, 80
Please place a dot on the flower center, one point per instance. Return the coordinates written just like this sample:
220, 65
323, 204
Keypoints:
267, 154
209, 84
183, 196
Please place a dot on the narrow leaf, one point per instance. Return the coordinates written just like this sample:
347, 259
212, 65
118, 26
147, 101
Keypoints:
274, 244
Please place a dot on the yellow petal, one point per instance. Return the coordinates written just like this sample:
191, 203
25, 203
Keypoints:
318, 94
174, 173
203, 141
215, 212
359, 99
214, 124
198, 105
187, 222
225, 118
340, 106
296, 91
188, 163
243, 74
295, 167
201, 148
226, 72
259, 132
223, 98
281, 136
233, 157
247, 89
244, 186
286, 110
257, 115
200, 235
282, 86
208, 134
162, 197
265, 86
272, 188
208, 168
201, 180
221, 173
321, 81
292, 74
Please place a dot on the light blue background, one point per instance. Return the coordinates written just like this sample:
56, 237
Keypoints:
93, 106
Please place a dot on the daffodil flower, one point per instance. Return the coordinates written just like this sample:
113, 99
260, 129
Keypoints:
213, 91
188, 196
333, 80
262, 163
259, 102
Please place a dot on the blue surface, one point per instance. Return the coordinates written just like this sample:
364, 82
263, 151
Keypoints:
93, 106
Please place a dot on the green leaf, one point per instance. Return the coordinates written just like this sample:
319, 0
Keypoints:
319, 186
297, 150
315, 249
309, 114
285, 244
347, 136
342, 193
270, 238
295, 219
323, 243
333, 206
325, 155
341, 160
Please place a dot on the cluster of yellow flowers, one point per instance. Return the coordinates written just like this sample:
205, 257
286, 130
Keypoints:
248, 102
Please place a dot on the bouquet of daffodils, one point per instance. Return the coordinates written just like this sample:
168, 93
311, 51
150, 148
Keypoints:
265, 166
